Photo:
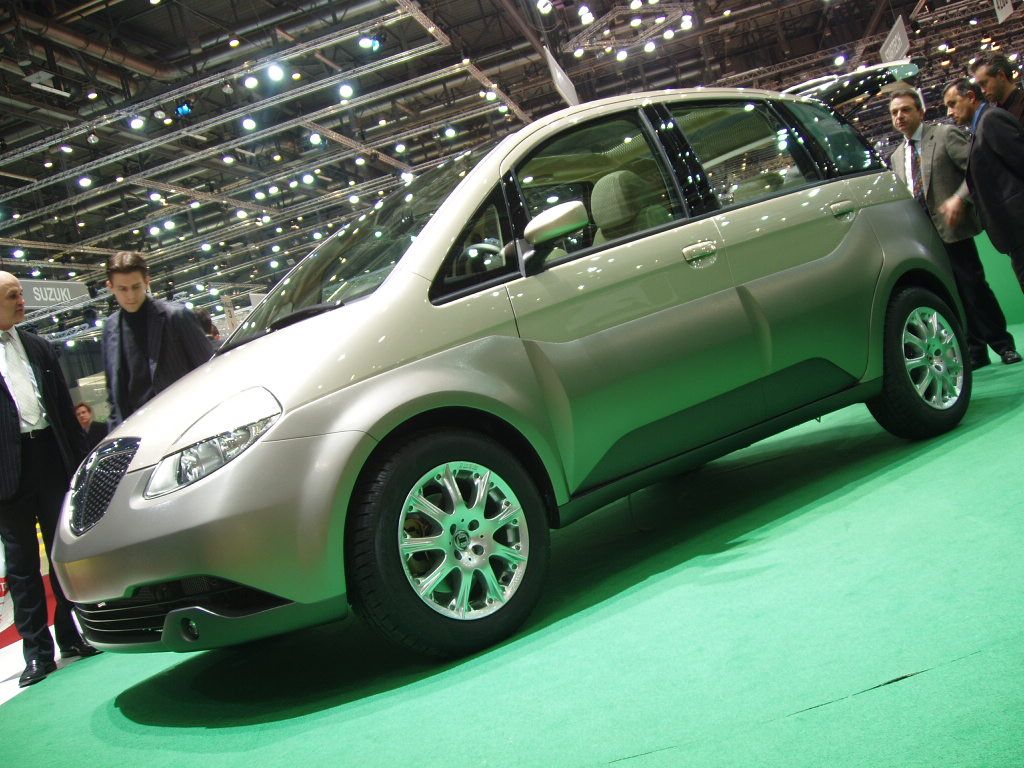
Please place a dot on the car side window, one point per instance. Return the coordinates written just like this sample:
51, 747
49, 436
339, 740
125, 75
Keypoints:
846, 149
747, 152
611, 167
484, 250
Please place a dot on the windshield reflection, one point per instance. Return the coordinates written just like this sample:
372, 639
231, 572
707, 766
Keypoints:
356, 260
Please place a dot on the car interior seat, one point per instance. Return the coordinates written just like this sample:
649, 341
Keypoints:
619, 206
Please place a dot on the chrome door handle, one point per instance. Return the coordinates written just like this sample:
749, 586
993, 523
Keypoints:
699, 251
842, 208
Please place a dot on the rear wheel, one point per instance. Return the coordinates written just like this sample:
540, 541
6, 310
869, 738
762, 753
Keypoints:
926, 382
447, 544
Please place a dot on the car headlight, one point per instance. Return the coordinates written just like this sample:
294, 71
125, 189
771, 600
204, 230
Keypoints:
202, 457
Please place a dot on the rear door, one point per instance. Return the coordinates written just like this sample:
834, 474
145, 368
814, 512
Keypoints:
634, 328
804, 267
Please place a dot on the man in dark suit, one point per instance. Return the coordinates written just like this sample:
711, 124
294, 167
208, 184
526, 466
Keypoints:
148, 344
932, 162
994, 75
995, 168
42, 446
94, 430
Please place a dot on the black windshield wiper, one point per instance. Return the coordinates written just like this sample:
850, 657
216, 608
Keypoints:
302, 314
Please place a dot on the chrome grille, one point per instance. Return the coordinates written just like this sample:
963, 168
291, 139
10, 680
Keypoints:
96, 481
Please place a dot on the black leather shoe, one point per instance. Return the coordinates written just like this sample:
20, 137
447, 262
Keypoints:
1010, 356
35, 671
980, 362
81, 648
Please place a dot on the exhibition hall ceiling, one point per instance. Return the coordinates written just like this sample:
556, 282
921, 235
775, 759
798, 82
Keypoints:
224, 139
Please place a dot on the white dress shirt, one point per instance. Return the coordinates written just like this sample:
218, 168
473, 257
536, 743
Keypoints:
11, 370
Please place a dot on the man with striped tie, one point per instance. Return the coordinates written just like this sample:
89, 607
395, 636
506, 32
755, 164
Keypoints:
932, 163
41, 444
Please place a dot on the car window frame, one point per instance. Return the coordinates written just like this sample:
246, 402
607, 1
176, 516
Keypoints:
821, 157
519, 210
498, 197
801, 154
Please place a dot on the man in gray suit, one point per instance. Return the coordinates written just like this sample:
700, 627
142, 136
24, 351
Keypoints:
932, 162
40, 446
148, 344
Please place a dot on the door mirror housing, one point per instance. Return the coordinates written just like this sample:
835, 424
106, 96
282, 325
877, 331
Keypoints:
546, 227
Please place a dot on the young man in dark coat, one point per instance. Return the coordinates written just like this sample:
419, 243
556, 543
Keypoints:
148, 344
40, 448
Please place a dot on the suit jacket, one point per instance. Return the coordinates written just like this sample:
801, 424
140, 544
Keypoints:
60, 412
944, 151
995, 175
95, 434
176, 344
1014, 104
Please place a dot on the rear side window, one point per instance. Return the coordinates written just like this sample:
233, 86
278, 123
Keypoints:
610, 166
747, 152
846, 150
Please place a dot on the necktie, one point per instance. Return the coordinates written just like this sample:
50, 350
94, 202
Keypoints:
916, 184
20, 378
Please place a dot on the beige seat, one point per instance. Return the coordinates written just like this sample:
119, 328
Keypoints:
619, 206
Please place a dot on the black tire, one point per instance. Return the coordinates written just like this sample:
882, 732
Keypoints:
926, 377
497, 565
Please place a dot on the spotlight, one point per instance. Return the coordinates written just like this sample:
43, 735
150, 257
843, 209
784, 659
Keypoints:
250, 82
839, 60
345, 91
92, 95
372, 42
155, 197
84, 182
227, 88
275, 73
315, 139
449, 132
249, 124
159, 114
184, 108
544, 6
233, 42
92, 138
308, 178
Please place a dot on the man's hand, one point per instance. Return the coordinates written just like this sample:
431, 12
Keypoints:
953, 210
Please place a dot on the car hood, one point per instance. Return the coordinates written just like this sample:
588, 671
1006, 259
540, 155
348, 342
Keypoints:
296, 365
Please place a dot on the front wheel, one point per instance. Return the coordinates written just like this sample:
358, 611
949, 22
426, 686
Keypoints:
926, 382
447, 544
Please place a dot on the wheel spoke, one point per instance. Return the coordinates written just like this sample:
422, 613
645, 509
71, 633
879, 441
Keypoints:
483, 485
508, 554
422, 504
913, 340
494, 589
462, 606
411, 546
430, 582
451, 487
493, 524
925, 382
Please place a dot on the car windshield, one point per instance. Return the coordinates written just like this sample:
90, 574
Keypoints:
356, 260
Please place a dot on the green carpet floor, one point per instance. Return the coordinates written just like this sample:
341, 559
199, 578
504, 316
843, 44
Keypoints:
829, 597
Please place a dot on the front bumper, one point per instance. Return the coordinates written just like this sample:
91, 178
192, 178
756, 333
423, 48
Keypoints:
254, 549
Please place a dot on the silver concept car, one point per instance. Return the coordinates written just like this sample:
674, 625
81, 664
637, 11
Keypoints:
616, 293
